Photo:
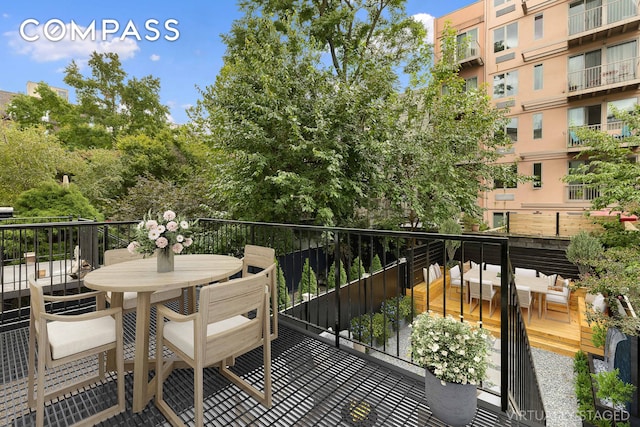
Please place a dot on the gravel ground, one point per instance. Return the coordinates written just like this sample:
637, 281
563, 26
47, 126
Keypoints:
555, 378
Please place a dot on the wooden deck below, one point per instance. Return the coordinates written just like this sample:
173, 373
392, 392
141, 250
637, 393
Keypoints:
551, 332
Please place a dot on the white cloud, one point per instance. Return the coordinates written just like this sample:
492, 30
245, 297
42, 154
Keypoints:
155, 57
427, 21
45, 50
186, 106
5, 15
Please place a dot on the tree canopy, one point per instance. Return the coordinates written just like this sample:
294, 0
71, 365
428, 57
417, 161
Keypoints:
308, 111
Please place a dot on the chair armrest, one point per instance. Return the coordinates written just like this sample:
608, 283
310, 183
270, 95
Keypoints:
167, 313
59, 298
85, 316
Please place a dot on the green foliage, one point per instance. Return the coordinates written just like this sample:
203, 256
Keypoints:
286, 122
446, 146
391, 309
361, 328
450, 226
611, 166
357, 270
308, 282
381, 328
28, 158
582, 386
599, 336
107, 99
283, 293
407, 307
583, 250
47, 110
376, 265
52, 199
615, 235
331, 276
610, 387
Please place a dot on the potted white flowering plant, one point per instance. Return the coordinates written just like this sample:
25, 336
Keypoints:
455, 356
164, 234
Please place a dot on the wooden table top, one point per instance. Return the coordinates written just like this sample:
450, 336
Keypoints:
141, 275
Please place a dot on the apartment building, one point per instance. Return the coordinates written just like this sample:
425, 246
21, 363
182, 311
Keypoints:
557, 65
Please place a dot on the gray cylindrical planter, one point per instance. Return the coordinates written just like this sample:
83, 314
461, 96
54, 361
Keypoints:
455, 404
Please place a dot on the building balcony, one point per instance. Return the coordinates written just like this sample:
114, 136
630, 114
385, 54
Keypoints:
617, 129
471, 56
615, 17
581, 193
603, 79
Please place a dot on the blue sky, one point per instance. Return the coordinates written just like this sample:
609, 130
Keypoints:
192, 60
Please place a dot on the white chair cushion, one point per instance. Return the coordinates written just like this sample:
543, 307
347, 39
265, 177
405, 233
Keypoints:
180, 334
454, 272
156, 297
436, 270
68, 338
432, 274
558, 296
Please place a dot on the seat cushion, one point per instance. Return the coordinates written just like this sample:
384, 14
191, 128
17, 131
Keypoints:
556, 297
180, 334
66, 338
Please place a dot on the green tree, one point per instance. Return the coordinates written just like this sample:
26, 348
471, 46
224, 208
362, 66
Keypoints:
29, 157
47, 109
376, 265
357, 269
446, 151
583, 250
331, 276
283, 292
108, 100
288, 122
308, 282
450, 226
50, 199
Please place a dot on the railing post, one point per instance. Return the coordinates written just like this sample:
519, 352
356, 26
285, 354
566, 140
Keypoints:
557, 224
336, 261
504, 325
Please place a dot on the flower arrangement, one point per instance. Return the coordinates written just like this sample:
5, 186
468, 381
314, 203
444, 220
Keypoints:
165, 231
453, 351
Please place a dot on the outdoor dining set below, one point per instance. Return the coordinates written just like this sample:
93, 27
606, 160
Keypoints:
481, 282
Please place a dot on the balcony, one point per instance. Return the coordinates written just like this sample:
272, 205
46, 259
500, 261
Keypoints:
470, 56
603, 79
617, 129
615, 17
581, 193
315, 372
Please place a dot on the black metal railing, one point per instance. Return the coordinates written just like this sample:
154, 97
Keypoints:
381, 269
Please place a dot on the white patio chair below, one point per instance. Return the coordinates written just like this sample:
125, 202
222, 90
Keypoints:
488, 293
525, 299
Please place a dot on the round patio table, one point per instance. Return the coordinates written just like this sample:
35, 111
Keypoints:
141, 276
